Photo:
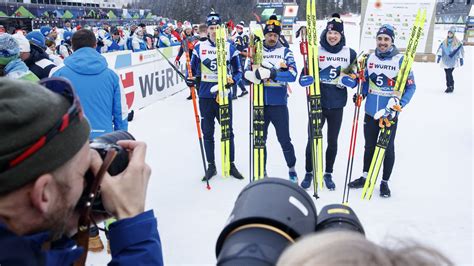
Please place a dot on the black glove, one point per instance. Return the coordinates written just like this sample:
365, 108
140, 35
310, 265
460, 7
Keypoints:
354, 98
191, 82
100, 43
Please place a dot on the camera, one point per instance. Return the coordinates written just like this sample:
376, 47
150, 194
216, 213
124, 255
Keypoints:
102, 145
271, 214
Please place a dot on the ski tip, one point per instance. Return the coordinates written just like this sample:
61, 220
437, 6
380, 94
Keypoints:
208, 187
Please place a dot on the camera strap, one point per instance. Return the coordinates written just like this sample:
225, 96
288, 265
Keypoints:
82, 236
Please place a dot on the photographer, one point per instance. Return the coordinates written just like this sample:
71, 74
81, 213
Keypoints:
44, 156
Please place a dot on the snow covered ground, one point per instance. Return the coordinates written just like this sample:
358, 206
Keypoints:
431, 183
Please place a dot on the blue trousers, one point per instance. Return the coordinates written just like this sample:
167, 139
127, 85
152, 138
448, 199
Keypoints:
279, 117
209, 109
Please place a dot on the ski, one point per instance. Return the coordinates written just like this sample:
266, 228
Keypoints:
258, 157
223, 99
314, 98
385, 132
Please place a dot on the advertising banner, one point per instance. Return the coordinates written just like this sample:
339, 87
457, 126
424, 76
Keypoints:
146, 77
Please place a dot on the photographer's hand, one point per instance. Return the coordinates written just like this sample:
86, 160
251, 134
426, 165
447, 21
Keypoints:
124, 195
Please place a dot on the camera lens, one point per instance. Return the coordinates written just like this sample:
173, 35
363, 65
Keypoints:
338, 217
268, 216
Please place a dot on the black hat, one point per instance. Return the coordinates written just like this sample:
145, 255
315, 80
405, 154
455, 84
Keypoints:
335, 24
272, 25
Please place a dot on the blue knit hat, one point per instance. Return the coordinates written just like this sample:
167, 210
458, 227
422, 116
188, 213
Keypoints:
37, 38
9, 48
45, 30
67, 35
387, 29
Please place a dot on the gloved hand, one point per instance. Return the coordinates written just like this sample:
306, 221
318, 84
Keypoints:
191, 82
177, 63
306, 80
357, 96
390, 111
100, 43
461, 61
230, 82
215, 89
250, 76
346, 81
263, 73
439, 59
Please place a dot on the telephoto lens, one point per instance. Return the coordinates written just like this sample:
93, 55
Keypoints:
268, 215
338, 217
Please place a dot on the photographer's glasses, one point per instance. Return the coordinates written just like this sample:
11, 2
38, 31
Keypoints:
64, 88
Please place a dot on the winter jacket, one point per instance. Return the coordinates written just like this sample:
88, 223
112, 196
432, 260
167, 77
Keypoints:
138, 44
275, 91
133, 241
334, 62
98, 89
381, 73
451, 55
167, 40
39, 62
204, 66
17, 69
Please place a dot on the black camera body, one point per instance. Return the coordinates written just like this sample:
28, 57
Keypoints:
102, 145
271, 214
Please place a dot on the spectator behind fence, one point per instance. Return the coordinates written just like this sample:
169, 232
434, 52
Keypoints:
44, 156
335, 248
37, 59
11, 65
97, 86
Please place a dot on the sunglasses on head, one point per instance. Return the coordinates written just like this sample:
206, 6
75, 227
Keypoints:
213, 18
336, 19
65, 89
273, 22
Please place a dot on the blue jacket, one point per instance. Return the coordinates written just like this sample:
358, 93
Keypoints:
234, 62
447, 48
133, 241
167, 40
98, 89
374, 102
275, 91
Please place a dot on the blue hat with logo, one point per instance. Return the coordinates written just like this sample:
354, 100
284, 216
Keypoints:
37, 38
45, 30
387, 29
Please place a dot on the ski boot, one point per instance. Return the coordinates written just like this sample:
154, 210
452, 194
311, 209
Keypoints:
358, 183
328, 180
306, 183
210, 172
234, 172
243, 93
384, 190
293, 176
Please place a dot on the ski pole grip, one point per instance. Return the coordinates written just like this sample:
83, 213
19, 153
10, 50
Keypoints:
304, 48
